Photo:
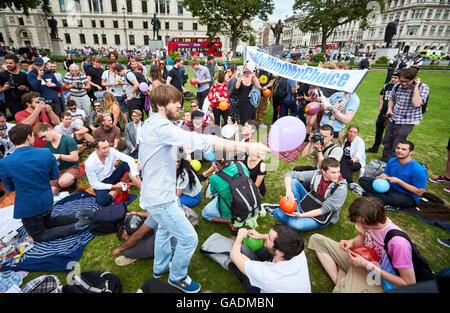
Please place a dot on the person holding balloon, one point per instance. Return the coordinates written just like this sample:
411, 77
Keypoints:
202, 79
189, 188
364, 263
218, 97
403, 182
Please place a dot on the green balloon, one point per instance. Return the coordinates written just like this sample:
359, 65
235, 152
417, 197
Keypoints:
253, 244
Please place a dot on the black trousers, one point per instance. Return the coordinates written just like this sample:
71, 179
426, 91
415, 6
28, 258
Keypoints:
219, 113
380, 125
347, 169
201, 96
391, 197
393, 135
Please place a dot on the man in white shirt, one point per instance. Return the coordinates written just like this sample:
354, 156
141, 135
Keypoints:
354, 157
6, 146
102, 175
288, 271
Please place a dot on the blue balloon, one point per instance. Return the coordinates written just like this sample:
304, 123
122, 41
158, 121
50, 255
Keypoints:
381, 185
210, 156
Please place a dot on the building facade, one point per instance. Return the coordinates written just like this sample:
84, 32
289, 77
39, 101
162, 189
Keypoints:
101, 23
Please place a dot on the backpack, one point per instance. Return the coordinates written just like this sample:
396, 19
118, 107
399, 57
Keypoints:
281, 91
245, 201
93, 282
422, 269
108, 219
43, 284
425, 103
139, 77
373, 169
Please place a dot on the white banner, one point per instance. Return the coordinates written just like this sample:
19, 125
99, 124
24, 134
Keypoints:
342, 80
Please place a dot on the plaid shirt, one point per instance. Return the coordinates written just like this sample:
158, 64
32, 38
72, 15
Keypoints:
404, 112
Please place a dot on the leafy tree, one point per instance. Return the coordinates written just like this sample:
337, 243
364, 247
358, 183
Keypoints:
326, 15
229, 17
26, 5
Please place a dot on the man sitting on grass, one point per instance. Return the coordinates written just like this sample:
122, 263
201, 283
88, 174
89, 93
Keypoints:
288, 270
78, 132
104, 177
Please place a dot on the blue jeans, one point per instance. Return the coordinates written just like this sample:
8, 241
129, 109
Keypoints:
298, 223
172, 223
288, 103
191, 201
210, 210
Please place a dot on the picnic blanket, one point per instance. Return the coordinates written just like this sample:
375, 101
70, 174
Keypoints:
288, 156
442, 224
57, 255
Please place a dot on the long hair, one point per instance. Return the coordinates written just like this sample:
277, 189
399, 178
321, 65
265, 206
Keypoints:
155, 73
109, 101
185, 165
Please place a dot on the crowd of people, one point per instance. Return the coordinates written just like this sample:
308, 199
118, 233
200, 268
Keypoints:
100, 118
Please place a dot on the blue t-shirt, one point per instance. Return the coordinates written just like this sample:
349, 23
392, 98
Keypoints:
412, 173
335, 99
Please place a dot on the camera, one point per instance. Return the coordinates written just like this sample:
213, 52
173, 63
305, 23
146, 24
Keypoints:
46, 71
317, 137
12, 83
4, 127
46, 101
80, 85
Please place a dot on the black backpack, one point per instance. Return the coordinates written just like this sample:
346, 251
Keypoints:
93, 282
139, 77
281, 91
245, 201
108, 219
422, 269
424, 106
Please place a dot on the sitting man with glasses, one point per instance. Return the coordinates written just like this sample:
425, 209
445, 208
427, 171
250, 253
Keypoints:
405, 109
107, 131
78, 115
98, 110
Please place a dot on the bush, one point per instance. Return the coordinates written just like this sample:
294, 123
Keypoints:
382, 60
319, 57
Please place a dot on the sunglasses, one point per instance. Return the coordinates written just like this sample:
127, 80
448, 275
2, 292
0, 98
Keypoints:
194, 106
106, 114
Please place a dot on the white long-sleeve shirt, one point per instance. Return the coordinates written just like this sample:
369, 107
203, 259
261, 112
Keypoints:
96, 171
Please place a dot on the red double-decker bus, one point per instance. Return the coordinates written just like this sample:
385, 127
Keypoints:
195, 45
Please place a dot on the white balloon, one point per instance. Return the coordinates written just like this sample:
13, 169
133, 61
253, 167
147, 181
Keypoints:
228, 131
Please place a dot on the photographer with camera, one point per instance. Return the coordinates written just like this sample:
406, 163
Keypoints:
37, 110
43, 81
78, 86
405, 109
13, 84
320, 146
6, 146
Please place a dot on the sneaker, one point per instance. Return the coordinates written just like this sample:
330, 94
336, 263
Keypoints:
447, 188
82, 224
159, 275
186, 285
444, 242
123, 261
390, 209
356, 189
269, 207
440, 179
372, 150
86, 213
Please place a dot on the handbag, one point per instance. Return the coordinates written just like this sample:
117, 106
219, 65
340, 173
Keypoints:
312, 201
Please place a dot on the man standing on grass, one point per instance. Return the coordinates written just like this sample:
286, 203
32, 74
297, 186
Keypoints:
158, 156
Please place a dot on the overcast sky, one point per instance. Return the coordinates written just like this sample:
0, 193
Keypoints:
282, 7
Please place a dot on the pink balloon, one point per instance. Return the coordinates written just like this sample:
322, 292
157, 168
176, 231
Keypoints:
143, 87
286, 134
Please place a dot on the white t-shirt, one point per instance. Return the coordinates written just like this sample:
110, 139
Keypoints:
282, 277
184, 184
77, 113
113, 78
65, 131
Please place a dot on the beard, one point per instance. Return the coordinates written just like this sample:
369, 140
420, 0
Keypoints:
172, 115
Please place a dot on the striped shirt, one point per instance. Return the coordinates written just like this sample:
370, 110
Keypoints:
81, 78
404, 111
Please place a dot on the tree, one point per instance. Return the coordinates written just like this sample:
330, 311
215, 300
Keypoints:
26, 5
326, 15
229, 17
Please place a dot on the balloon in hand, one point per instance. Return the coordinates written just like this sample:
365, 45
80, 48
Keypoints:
381, 185
143, 87
286, 134
287, 206
196, 165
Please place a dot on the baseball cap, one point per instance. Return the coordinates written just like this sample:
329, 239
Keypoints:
38, 61
197, 114
396, 73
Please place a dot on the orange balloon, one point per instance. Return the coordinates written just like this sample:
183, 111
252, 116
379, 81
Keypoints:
266, 92
223, 105
287, 206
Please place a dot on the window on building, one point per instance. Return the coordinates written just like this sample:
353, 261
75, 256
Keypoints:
156, 6
78, 6
180, 25
432, 30
438, 14
411, 30
144, 6
167, 25
145, 25
146, 40
95, 39
64, 22
440, 31
430, 12
130, 24
21, 21
129, 6
67, 37
424, 30
167, 7
114, 5
180, 8
117, 39
447, 32
82, 39
131, 39
445, 16
80, 23
162, 6
62, 5
102, 24
24, 34
116, 24
93, 24
194, 26
104, 41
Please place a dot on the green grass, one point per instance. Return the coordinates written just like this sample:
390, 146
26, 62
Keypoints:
430, 138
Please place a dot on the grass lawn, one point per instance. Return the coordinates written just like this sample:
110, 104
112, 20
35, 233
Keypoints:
430, 138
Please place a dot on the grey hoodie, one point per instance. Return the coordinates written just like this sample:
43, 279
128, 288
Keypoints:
332, 203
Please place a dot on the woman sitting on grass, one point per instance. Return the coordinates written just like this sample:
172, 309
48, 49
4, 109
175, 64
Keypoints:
189, 188
112, 107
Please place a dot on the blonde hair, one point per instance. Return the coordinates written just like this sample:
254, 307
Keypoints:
109, 101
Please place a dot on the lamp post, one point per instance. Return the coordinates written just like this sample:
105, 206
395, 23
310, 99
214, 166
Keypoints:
125, 27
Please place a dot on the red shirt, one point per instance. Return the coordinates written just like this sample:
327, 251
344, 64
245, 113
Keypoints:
24, 114
323, 185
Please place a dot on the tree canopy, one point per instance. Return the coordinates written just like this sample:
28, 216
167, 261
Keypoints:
26, 5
